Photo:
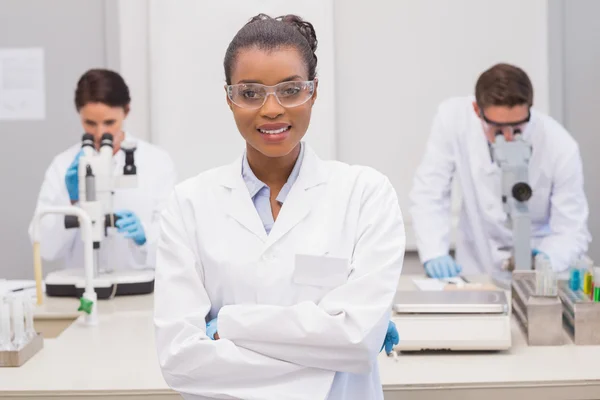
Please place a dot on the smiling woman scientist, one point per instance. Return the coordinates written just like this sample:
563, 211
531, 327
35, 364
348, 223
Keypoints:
294, 261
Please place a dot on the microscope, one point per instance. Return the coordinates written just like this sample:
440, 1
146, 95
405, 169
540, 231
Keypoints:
97, 185
513, 160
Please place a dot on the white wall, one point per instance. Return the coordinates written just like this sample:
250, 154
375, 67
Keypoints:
135, 66
189, 114
396, 60
581, 57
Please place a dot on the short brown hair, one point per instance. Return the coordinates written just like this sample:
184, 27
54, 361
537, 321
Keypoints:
504, 85
102, 86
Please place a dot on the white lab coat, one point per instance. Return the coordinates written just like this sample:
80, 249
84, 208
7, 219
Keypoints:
458, 149
290, 329
156, 179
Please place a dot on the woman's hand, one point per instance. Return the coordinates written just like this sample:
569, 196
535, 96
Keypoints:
391, 338
211, 329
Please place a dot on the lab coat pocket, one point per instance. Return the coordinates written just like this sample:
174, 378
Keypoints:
315, 276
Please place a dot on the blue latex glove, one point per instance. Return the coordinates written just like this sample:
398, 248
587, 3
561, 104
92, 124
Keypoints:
211, 328
442, 267
72, 178
535, 252
131, 226
391, 338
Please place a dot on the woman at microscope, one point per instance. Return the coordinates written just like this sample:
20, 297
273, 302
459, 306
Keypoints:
103, 103
461, 146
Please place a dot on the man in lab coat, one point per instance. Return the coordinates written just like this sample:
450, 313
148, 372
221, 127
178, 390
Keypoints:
459, 147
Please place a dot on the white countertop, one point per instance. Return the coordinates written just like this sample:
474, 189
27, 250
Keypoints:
523, 371
118, 356
520, 364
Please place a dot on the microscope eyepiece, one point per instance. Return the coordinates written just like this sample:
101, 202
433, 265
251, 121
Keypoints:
107, 140
87, 140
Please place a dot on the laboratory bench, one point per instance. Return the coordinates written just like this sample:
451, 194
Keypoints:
117, 359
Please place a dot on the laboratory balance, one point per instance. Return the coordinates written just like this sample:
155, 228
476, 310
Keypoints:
452, 320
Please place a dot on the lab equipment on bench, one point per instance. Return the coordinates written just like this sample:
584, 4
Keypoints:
89, 298
97, 185
581, 302
455, 320
512, 157
546, 281
581, 315
540, 316
18, 340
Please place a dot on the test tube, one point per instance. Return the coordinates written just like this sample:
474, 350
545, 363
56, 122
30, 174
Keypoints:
575, 279
587, 283
596, 285
5, 333
18, 320
546, 284
539, 276
551, 283
29, 328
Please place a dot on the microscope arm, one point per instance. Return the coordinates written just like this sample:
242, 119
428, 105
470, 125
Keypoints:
89, 294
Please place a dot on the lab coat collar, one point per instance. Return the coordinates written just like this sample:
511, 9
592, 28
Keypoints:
299, 202
312, 171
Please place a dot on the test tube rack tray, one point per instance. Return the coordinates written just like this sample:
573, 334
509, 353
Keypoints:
539, 316
581, 315
16, 358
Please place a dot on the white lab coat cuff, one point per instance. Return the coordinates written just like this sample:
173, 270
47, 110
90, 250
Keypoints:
430, 254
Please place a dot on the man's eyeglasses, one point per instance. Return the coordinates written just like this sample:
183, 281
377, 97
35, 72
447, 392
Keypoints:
501, 127
504, 124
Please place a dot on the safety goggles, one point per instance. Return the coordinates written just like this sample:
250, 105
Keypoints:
254, 95
513, 127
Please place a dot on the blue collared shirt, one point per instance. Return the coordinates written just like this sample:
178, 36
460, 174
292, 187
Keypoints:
261, 194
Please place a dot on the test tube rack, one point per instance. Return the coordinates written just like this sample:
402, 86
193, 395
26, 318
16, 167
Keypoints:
580, 314
16, 358
539, 316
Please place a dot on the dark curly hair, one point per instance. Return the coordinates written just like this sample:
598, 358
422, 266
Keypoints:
268, 33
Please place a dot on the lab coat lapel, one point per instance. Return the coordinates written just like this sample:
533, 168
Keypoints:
485, 171
537, 178
303, 196
238, 203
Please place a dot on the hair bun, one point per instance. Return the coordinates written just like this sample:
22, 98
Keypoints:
305, 28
